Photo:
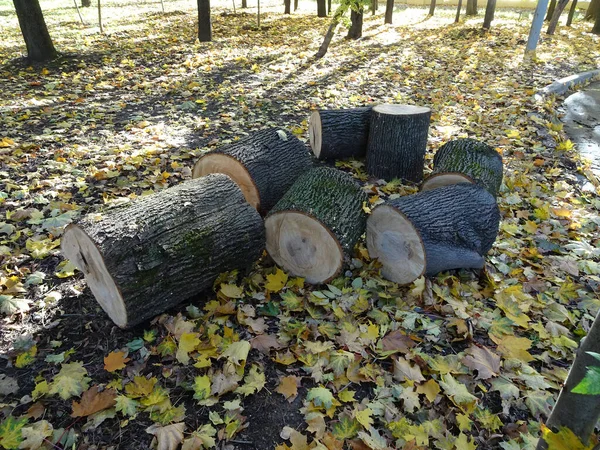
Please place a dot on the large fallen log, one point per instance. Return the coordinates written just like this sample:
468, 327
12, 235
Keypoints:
397, 141
145, 257
466, 161
339, 133
264, 165
315, 226
452, 227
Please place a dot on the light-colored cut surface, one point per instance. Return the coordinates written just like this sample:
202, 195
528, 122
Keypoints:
315, 133
303, 246
77, 246
218, 163
445, 179
399, 110
394, 241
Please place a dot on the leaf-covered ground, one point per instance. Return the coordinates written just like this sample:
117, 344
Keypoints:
465, 360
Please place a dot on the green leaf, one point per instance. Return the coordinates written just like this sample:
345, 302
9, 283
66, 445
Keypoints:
320, 396
126, 405
346, 427
71, 381
201, 387
10, 305
10, 432
590, 384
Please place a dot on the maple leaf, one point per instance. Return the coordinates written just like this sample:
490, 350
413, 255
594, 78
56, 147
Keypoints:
71, 381
265, 342
276, 281
564, 439
288, 387
187, 343
430, 388
10, 432
93, 401
320, 396
168, 437
231, 291
237, 352
403, 370
8, 385
316, 424
26, 358
299, 441
458, 392
364, 417
115, 361
253, 382
126, 405
35, 435
202, 387
396, 341
464, 442
140, 387
203, 437
513, 347
483, 360
373, 439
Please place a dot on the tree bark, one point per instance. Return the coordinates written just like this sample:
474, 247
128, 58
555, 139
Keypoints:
432, 8
397, 142
593, 11
578, 412
288, 6
374, 6
490, 9
337, 16
321, 8
313, 229
35, 33
100, 17
145, 257
244, 3
471, 8
457, 18
389, 11
560, 7
356, 19
466, 161
452, 227
295, 5
328, 7
550, 10
596, 28
571, 13
204, 21
86, 3
536, 27
339, 133
264, 165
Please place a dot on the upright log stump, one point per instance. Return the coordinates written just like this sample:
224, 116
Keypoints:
339, 133
466, 161
143, 258
452, 227
264, 165
398, 141
314, 227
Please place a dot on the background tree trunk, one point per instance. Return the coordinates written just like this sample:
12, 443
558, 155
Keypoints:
593, 11
572, 13
86, 3
100, 17
204, 22
550, 10
244, 4
457, 18
560, 7
389, 11
490, 9
355, 31
536, 27
337, 16
374, 5
321, 8
471, 7
288, 6
328, 7
596, 29
432, 7
37, 39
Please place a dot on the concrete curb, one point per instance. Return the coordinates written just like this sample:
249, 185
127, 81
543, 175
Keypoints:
564, 84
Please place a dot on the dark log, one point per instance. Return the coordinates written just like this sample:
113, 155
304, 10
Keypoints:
264, 165
452, 227
313, 229
143, 258
466, 161
397, 141
339, 133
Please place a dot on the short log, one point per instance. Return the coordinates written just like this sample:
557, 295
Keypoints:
398, 141
264, 165
451, 227
143, 258
314, 227
466, 161
339, 133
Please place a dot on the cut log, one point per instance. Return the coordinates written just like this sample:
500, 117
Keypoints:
143, 258
452, 227
339, 133
397, 141
314, 227
264, 165
466, 161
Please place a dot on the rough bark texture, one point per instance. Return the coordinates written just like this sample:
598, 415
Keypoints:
35, 33
333, 198
550, 11
321, 8
457, 224
490, 9
344, 133
432, 7
578, 412
274, 159
356, 19
471, 8
204, 21
397, 142
167, 247
593, 11
477, 160
389, 11
560, 7
337, 16
572, 12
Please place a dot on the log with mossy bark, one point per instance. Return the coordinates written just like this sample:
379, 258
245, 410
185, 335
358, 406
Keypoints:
314, 227
264, 165
397, 141
452, 227
143, 258
466, 161
339, 133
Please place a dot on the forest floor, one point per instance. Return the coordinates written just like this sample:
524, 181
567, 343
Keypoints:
464, 360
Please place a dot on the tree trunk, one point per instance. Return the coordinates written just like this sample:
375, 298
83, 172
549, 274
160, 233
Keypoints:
593, 11
356, 20
315, 226
204, 21
339, 133
466, 161
471, 8
79, 13
432, 8
374, 6
288, 6
244, 3
86, 3
571, 13
264, 165
143, 258
550, 10
35, 33
596, 28
295, 5
578, 412
536, 27
337, 16
328, 7
560, 7
100, 17
397, 142
452, 227
490, 9
321, 8
389, 11
457, 18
